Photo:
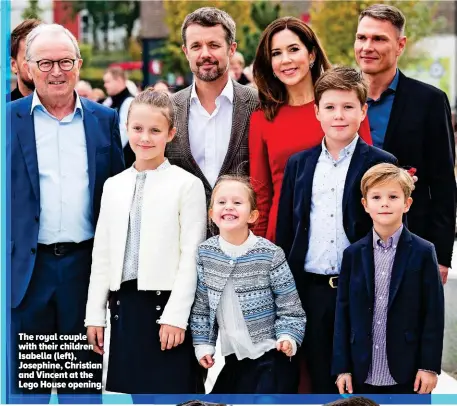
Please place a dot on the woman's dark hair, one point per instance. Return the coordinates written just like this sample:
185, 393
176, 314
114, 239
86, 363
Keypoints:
272, 92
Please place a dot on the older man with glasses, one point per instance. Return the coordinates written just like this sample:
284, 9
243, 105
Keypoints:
61, 149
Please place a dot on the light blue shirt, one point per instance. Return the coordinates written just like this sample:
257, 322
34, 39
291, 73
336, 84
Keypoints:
65, 207
327, 239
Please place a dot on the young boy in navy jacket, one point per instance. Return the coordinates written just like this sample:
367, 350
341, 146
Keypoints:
390, 309
320, 212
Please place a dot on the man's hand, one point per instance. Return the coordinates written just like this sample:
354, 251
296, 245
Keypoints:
286, 347
425, 382
344, 383
95, 338
444, 270
207, 361
170, 336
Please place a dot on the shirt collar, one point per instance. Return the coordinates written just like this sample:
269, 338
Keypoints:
392, 88
36, 102
391, 241
347, 150
227, 91
164, 165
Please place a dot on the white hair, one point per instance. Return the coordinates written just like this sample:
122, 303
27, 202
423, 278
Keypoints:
49, 28
83, 84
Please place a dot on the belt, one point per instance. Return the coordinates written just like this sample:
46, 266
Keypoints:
318, 279
59, 249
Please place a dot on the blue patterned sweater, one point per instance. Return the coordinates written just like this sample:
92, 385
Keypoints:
263, 284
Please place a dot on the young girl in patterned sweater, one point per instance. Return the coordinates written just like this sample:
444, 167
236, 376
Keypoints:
246, 292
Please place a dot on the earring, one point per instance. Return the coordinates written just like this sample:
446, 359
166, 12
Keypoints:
311, 64
274, 75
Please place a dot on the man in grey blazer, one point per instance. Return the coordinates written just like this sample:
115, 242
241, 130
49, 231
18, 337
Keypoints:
212, 114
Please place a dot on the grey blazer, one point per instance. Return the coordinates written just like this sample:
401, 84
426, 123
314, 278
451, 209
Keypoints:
245, 101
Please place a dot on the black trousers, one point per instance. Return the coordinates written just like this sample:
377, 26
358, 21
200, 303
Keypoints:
55, 303
137, 365
271, 373
319, 301
399, 389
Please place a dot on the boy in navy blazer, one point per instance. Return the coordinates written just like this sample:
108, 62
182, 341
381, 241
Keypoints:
389, 322
320, 212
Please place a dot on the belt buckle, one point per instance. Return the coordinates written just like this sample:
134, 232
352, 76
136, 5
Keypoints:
57, 252
330, 282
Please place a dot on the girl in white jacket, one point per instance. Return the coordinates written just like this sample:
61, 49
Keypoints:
152, 218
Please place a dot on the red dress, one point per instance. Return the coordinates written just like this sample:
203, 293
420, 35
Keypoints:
271, 143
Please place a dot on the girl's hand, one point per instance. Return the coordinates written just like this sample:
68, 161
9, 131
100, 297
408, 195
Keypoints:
95, 336
170, 336
207, 361
286, 347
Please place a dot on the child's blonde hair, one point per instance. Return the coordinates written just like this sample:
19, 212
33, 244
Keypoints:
244, 180
158, 99
383, 173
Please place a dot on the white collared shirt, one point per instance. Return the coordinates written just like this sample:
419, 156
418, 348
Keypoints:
65, 206
328, 238
209, 134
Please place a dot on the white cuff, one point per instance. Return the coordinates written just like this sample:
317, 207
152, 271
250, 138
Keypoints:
286, 337
204, 349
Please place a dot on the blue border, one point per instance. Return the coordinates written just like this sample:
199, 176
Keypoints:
5, 13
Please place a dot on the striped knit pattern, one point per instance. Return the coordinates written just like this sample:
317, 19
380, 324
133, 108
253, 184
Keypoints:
263, 284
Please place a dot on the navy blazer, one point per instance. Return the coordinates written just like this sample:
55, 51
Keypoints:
295, 202
415, 315
104, 157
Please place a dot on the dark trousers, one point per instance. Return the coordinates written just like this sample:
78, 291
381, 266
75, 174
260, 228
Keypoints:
399, 389
137, 365
271, 373
55, 303
319, 301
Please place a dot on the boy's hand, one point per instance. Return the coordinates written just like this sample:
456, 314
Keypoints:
425, 382
286, 347
344, 383
207, 361
444, 271
170, 336
95, 336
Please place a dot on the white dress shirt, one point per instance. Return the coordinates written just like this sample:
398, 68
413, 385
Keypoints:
234, 334
65, 207
209, 134
328, 239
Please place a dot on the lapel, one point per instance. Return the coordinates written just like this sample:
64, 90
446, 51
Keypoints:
401, 96
308, 176
240, 118
355, 167
400, 262
182, 119
91, 126
368, 264
25, 130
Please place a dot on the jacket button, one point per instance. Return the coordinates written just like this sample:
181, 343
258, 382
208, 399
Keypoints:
158, 321
116, 317
118, 302
370, 309
158, 308
33, 251
231, 262
158, 293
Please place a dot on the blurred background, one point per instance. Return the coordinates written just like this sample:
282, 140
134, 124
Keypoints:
144, 39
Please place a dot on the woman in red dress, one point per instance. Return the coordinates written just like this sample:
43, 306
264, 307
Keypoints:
289, 60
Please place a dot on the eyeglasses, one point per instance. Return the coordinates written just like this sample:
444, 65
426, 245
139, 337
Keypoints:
46, 65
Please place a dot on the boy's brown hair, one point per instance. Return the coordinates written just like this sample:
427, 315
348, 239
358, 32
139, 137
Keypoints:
383, 173
341, 78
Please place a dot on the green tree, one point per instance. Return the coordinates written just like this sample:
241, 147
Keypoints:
110, 14
33, 10
262, 13
173, 58
335, 23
